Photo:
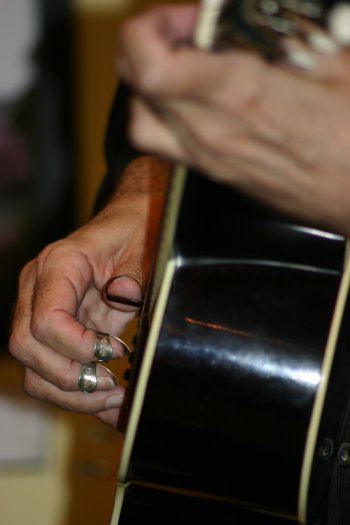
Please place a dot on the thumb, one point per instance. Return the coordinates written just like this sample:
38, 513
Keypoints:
124, 292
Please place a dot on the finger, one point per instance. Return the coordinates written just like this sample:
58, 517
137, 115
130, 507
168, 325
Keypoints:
59, 366
54, 322
154, 62
76, 401
171, 24
162, 29
191, 139
178, 71
148, 131
109, 417
53, 367
124, 292
97, 313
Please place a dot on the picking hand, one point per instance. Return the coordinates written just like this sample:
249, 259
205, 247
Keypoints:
61, 308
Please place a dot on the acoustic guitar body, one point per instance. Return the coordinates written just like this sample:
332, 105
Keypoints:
235, 400
239, 385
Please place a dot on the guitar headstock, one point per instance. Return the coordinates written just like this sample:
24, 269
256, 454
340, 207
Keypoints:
260, 24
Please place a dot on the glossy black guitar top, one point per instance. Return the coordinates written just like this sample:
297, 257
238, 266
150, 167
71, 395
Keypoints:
238, 362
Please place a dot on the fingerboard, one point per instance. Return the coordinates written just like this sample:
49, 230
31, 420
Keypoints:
256, 25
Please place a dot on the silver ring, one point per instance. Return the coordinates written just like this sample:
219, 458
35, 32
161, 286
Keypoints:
87, 381
103, 349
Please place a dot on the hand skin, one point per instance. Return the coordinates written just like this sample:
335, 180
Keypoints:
60, 302
276, 132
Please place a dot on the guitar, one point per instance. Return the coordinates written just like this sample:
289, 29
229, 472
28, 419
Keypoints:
238, 383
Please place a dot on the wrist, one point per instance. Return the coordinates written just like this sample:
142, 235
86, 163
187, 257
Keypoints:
144, 175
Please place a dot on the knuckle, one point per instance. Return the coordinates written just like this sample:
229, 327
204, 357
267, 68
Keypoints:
17, 347
26, 270
31, 385
67, 379
150, 80
64, 382
206, 141
39, 326
14, 345
146, 75
147, 79
138, 132
47, 250
30, 389
52, 252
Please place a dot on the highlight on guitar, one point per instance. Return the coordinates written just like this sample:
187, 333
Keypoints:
247, 312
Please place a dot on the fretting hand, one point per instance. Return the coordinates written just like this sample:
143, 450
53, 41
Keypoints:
275, 131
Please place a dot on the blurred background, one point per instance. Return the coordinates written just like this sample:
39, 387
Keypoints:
57, 82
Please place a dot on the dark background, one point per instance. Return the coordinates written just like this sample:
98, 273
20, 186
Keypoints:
36, 156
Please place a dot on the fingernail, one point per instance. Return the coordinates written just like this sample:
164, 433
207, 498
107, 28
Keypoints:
323, 43
302, 59
339, 23
123, 299
106, 383
115, 401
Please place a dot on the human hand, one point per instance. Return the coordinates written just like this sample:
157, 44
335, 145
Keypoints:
276, 132
60, 304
